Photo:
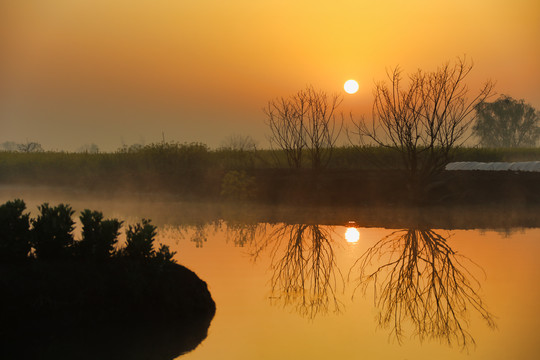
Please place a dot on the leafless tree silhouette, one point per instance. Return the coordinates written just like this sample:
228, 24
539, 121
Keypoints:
237, 142
425, 120
305, 123
30, 146
419, 279
304, 270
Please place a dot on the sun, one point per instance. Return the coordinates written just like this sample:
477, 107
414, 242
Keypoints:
351, 86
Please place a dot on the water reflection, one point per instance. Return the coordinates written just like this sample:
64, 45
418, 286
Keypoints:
197, 232
418, 279
421, 285
305, 275
352, 235
242, 234
200, 235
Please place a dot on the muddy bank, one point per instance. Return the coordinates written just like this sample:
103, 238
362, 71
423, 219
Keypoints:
304, 187
390, 187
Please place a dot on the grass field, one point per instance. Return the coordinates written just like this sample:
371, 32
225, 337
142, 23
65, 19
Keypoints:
194, 170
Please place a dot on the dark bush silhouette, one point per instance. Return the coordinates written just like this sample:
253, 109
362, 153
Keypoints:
140, 241
99, 236
136, 303
52, 232
14, 231
164, 254
51, 236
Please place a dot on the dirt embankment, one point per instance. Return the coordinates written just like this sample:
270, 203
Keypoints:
302, 187
390, 187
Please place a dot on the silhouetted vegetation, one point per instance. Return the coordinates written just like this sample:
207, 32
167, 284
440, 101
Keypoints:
193, 172
52, 232
99, 237
423, 121
59, 295
15, 237
51, 236
305, 125
237, 185
30, 146
507, 123
88, 148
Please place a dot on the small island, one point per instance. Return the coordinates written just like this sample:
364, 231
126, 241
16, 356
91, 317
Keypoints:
90, 298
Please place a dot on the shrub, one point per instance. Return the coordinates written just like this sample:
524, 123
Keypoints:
98, 236
52, 232
14, 231
237, 185
164, 254
140, 241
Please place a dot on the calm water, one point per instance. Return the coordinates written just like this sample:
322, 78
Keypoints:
303, 291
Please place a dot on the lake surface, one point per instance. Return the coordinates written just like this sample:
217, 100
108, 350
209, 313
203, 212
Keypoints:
303, 291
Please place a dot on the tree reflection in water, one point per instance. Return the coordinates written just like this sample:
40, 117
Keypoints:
242, 234
304, 270
419, 278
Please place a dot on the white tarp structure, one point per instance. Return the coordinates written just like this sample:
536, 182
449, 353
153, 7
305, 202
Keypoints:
495, 166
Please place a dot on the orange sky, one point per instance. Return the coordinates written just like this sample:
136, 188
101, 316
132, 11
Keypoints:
118, 71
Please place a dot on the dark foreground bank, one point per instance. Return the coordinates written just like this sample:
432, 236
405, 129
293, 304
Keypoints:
88, 298
121, 309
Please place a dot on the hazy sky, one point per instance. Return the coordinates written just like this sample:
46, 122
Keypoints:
115, 72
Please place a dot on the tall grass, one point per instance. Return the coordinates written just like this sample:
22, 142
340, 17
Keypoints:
194, 169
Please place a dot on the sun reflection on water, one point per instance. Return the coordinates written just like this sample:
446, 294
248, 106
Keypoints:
352, 235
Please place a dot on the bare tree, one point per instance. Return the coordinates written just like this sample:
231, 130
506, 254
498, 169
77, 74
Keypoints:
419, 279
507, 123
237, 142
30, 146
89, 149
305, 123
241, 151
424, 120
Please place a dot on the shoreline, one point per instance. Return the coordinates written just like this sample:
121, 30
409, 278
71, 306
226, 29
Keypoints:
442, 215
117, 307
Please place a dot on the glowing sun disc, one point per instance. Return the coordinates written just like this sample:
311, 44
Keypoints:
351, 86
352, 235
